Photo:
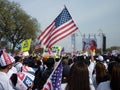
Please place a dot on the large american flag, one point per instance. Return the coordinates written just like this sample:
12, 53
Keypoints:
54, 81
61, 27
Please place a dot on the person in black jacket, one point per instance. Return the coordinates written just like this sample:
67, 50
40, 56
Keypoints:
46, 73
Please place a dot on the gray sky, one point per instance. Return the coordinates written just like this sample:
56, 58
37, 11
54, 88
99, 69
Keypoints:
91, 17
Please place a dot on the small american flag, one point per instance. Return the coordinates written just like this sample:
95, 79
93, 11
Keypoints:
38, 46
54, 81
60, 28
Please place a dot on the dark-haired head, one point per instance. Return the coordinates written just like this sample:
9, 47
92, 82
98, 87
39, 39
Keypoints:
115, 76
78, 77
50, 62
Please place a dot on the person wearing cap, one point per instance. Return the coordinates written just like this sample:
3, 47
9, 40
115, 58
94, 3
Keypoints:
101, 59
6, 62
18, 63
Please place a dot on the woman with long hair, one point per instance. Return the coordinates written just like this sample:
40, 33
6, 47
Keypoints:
115, 77
78, 77
101, 73
113, 83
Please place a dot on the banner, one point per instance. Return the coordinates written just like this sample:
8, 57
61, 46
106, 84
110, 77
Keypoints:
26, 45
89, 44
55, 51
25, 80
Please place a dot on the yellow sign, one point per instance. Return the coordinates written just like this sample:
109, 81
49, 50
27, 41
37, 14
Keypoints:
26, 45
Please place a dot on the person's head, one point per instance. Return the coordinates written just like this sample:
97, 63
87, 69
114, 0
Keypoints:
101, 72
50, 62
110, 66
78, 77
84, 59
13, 79
6, 61
100, 68
114, 75
100, 58
18, 59
93, 43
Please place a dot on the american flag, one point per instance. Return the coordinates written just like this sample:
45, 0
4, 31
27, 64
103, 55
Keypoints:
61, 27
54, 81
38, 46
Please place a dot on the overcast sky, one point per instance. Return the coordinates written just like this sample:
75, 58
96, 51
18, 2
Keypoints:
91, 17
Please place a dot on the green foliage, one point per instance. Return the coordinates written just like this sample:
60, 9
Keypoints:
15, 24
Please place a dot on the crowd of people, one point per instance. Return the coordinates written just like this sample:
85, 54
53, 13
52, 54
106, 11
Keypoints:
80, 72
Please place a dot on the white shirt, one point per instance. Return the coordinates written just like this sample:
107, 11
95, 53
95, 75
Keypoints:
104, 86
18, 66
11, 71
63, 86
90, 69
5, 82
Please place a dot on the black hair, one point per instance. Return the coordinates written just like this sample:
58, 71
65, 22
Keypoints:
13, 78
17, 58
50, 62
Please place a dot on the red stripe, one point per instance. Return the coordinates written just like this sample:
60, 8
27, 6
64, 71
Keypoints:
6, 58
51, 33
65, 31
44, 89
45, 30
61, 38
62, 28
48, 35
54, 33
45, 34
49, 86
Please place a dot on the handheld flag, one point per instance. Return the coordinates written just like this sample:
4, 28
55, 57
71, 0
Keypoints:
54, 81
60, 28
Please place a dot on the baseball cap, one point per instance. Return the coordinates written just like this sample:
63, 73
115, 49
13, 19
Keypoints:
100, 58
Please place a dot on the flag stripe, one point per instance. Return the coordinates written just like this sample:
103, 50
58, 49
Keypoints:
50, 45
43, 39
46, 33
6, 58
59, 30
60, 34
46, 30
48, 86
